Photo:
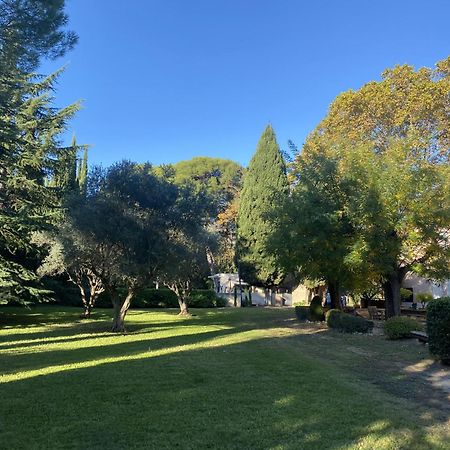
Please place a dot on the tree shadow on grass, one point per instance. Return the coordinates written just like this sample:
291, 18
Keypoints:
100, 323
28, 355
262, 393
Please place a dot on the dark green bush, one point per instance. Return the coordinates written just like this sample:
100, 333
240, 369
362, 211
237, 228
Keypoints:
315, 309
347, 323
65, 292
205, 298
438, 328
165, 298
400, 327
332, 317
302, 313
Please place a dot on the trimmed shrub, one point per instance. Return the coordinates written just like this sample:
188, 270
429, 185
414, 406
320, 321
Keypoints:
315, 309
332, 317
347, 323
400, 327
438, 328
302, 313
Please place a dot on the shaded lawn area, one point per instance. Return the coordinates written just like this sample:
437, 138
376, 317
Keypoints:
227, 378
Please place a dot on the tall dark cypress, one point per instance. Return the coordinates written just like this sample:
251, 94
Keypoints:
265, 185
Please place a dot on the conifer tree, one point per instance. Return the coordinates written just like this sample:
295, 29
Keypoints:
28, 157
265, 185
83, 172
66, 171
30, 127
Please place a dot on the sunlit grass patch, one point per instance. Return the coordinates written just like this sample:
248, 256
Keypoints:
229, 378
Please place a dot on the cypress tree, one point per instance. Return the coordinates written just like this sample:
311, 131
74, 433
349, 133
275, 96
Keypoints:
66, 169
83, 172
265, 185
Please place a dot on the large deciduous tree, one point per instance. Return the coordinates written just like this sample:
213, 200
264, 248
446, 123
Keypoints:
265, 185
379, 164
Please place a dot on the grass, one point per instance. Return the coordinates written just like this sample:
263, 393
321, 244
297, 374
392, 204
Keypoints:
229, 378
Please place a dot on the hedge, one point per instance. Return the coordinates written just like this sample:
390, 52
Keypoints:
400, 327
150, 298
302, 313
347, 323
438, 328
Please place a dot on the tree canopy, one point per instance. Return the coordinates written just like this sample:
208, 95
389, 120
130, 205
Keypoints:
371, 197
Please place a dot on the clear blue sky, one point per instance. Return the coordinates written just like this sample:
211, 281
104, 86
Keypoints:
166, 80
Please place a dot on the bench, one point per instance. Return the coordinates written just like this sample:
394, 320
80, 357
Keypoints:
375, 313
420, 335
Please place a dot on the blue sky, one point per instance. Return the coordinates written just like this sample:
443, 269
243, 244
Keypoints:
166, 80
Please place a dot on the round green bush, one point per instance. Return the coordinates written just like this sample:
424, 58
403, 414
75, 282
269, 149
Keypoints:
438, 328
302, 313
315, 309
400, 327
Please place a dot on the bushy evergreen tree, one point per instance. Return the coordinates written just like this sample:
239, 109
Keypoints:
30, 128
265, 185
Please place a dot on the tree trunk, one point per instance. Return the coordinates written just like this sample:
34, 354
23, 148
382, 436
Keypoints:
391, 288
184, 310
334, 291
87, 310
120, 311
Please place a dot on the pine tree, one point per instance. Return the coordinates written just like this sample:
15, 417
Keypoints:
30, 153
265, 185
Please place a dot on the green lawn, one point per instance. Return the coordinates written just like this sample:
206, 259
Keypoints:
229, 378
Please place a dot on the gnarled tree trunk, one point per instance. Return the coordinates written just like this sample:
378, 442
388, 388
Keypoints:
182, 291
120, 310
90, 286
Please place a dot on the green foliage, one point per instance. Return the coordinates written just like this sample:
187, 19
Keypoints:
134, 226
82, 172
219, 181
302, 313
438, 328
219, 178
348, 323
205, 298
315, 309
400, 327
31, 30
405, 294
265, 185
371, 197
29, 153
30, 129
424, 298
333, 317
